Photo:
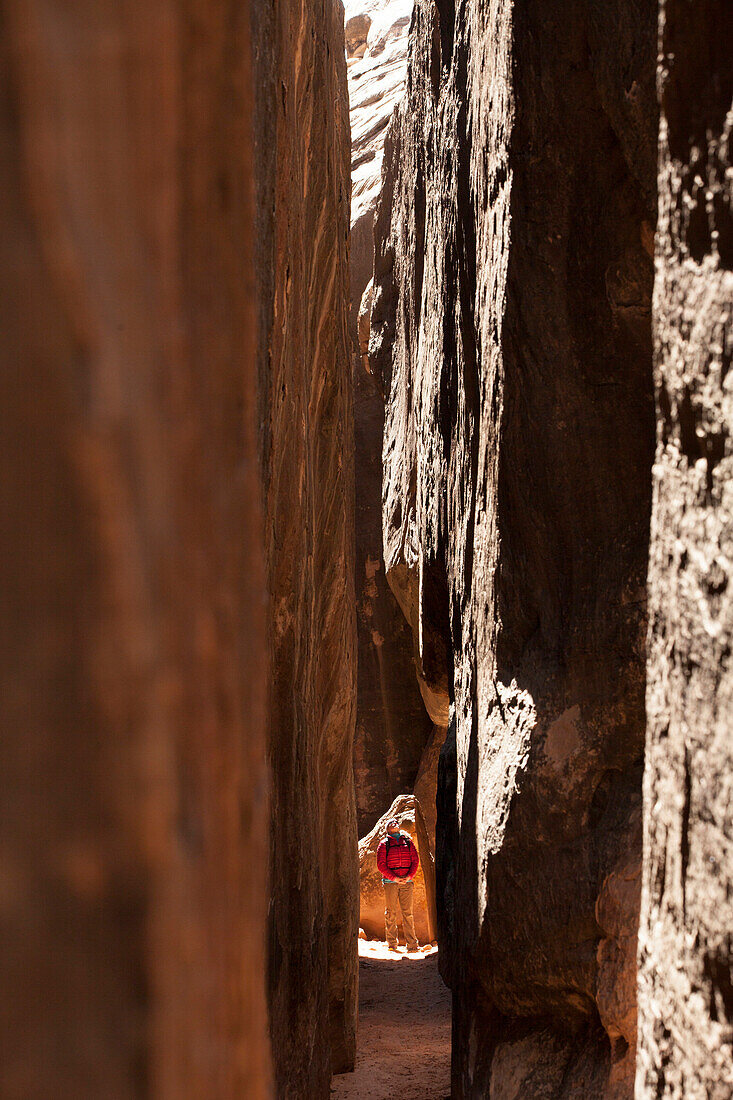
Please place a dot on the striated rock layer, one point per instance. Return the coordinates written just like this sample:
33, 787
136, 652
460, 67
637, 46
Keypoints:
302, 155
133, 786
511, 334
686, 954
392, 728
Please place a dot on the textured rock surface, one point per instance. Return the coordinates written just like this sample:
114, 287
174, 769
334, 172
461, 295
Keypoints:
303, 154
511, 333
376, 49
132, 679
406, 810
392, 728
686, 988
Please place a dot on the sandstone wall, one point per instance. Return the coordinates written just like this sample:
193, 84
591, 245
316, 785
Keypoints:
133, 800
511, 334
685, 991
392, 728
302, 155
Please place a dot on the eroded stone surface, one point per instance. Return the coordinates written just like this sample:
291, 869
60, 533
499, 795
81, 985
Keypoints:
511, 335
302, 155
376, 51
685, 990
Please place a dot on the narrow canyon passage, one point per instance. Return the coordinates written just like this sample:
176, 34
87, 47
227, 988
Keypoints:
403, 1041
367, 483
404, 1031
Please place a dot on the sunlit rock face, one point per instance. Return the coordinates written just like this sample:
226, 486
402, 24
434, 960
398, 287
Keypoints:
306, 439
510, 331
376, 52
686, 952
392, 728
376, 34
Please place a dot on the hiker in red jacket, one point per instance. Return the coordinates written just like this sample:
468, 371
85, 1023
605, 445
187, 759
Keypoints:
398, 861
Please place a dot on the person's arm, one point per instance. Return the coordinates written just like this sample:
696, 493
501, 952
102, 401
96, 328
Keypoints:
414, 860
382, 860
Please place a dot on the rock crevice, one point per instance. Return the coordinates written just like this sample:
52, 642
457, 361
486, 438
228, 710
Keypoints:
392, 728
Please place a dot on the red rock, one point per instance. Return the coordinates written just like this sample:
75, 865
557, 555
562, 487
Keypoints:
132, 671
306, 438
175, 347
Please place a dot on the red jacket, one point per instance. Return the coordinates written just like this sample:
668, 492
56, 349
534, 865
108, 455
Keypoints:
398, 859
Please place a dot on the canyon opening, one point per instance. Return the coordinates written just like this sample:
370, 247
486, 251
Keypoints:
367, 534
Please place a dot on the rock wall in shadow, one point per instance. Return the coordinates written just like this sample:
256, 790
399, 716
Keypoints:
510, 330
306, 437
132, 674
686, 991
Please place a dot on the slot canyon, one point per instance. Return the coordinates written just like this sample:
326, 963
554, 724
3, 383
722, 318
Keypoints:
365, 457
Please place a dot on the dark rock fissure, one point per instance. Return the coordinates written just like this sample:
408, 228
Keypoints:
393, 731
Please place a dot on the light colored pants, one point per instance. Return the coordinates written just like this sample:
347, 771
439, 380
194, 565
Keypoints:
402, 891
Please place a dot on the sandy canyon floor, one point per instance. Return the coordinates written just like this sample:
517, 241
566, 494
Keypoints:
404, 1029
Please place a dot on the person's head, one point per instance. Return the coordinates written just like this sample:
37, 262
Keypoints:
393, 827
